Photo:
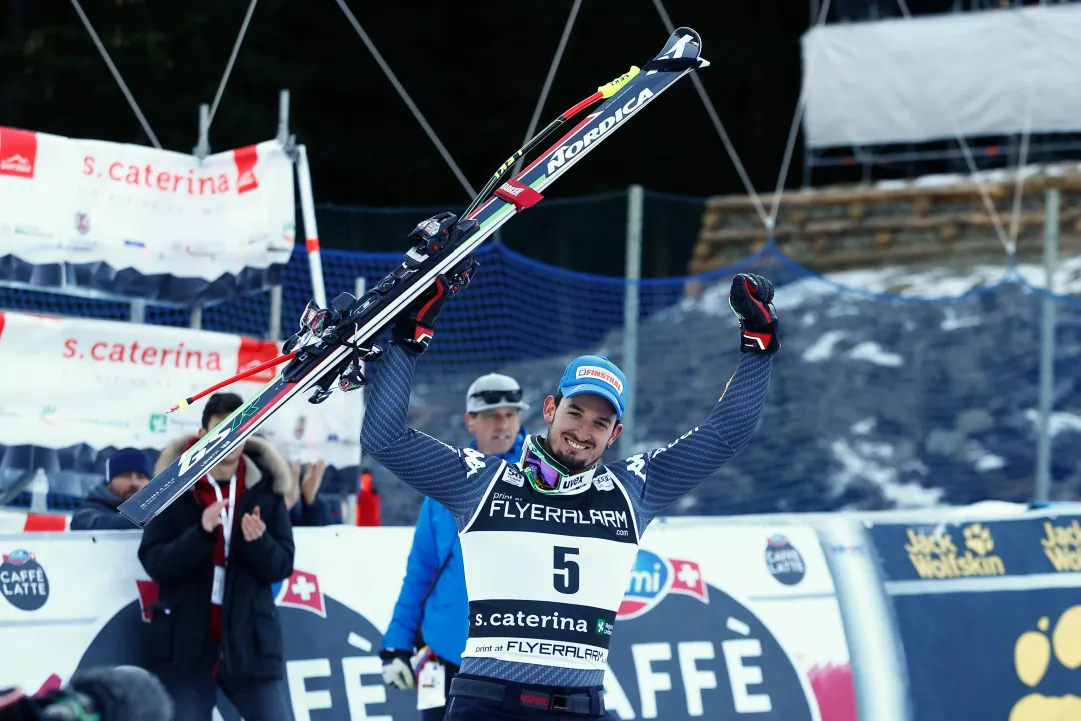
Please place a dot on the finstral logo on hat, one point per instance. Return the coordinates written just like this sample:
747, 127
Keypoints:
600, 374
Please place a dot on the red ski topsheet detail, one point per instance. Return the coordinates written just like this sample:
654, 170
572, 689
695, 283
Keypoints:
246, 158
18, 152
270, 404
518, 193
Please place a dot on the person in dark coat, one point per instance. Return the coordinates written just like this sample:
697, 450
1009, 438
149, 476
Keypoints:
126, 471
305, 506
215, 624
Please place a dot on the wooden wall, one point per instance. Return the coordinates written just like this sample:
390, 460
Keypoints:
866, 227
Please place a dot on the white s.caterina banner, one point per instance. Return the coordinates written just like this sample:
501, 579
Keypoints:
66, 200
68, 381
717, 622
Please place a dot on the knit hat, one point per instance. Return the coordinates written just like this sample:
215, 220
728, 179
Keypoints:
127, 460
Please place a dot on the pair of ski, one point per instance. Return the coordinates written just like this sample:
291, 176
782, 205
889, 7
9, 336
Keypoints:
332, 342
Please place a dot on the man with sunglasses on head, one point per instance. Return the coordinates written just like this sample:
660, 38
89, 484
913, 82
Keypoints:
549, 542
423, 645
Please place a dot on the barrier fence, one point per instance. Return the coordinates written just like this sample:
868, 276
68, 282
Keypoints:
893, 388
932, 615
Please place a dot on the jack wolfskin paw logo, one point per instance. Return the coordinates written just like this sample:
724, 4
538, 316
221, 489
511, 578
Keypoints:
1032, 659
978, 539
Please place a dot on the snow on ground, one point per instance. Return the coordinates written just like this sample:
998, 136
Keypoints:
874, 353
1060, 421
863, 462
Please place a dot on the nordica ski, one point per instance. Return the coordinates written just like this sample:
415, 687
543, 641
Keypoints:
330, 345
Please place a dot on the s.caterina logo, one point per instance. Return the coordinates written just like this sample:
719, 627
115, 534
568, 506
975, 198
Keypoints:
937, 556
566, 152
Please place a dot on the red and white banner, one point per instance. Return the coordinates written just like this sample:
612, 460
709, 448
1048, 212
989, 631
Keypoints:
154, 211
67, 381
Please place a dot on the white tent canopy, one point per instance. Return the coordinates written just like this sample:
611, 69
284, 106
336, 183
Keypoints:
932, 78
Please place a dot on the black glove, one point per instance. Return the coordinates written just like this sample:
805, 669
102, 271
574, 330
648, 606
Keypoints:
751, 299
414, 329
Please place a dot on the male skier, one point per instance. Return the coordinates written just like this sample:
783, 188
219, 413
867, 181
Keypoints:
548, 542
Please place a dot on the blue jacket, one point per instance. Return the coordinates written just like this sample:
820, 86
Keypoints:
443, 621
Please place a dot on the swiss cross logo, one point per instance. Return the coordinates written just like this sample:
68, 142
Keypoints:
245, 159
253, 352
301, 590
18, 152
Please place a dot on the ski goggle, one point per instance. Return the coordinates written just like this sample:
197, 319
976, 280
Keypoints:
544, 472
494, 397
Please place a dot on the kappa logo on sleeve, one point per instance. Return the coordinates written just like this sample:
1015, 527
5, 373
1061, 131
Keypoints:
474, 459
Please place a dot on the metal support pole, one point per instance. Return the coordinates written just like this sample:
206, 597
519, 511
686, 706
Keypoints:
283, 117
630, 309
197, 317
351, 502
274, 332
1047, 349
307, 209
202, 149
138, 311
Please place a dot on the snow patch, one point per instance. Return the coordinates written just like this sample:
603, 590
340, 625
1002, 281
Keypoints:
953, 321
862, 428
1059, 421
822, 348
858, 468
874, 353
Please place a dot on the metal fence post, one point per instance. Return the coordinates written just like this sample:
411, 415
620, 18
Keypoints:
274, 332
202, 148
350, 503
633, 275
138, 311
1047, 349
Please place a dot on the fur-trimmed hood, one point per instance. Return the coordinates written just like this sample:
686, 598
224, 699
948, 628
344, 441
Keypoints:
260, 460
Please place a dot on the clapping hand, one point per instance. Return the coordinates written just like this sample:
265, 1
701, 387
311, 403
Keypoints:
252, 525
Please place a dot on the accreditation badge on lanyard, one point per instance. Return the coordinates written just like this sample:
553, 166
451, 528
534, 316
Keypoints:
217, 591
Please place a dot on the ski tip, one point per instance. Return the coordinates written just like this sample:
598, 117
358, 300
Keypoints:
181, 405
695, 38
609, 89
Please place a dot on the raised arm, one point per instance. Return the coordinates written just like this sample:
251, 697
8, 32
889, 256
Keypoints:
673, 471
455, 477
439, 471
668, 473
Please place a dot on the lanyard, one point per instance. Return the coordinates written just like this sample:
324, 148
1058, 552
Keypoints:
226, 516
